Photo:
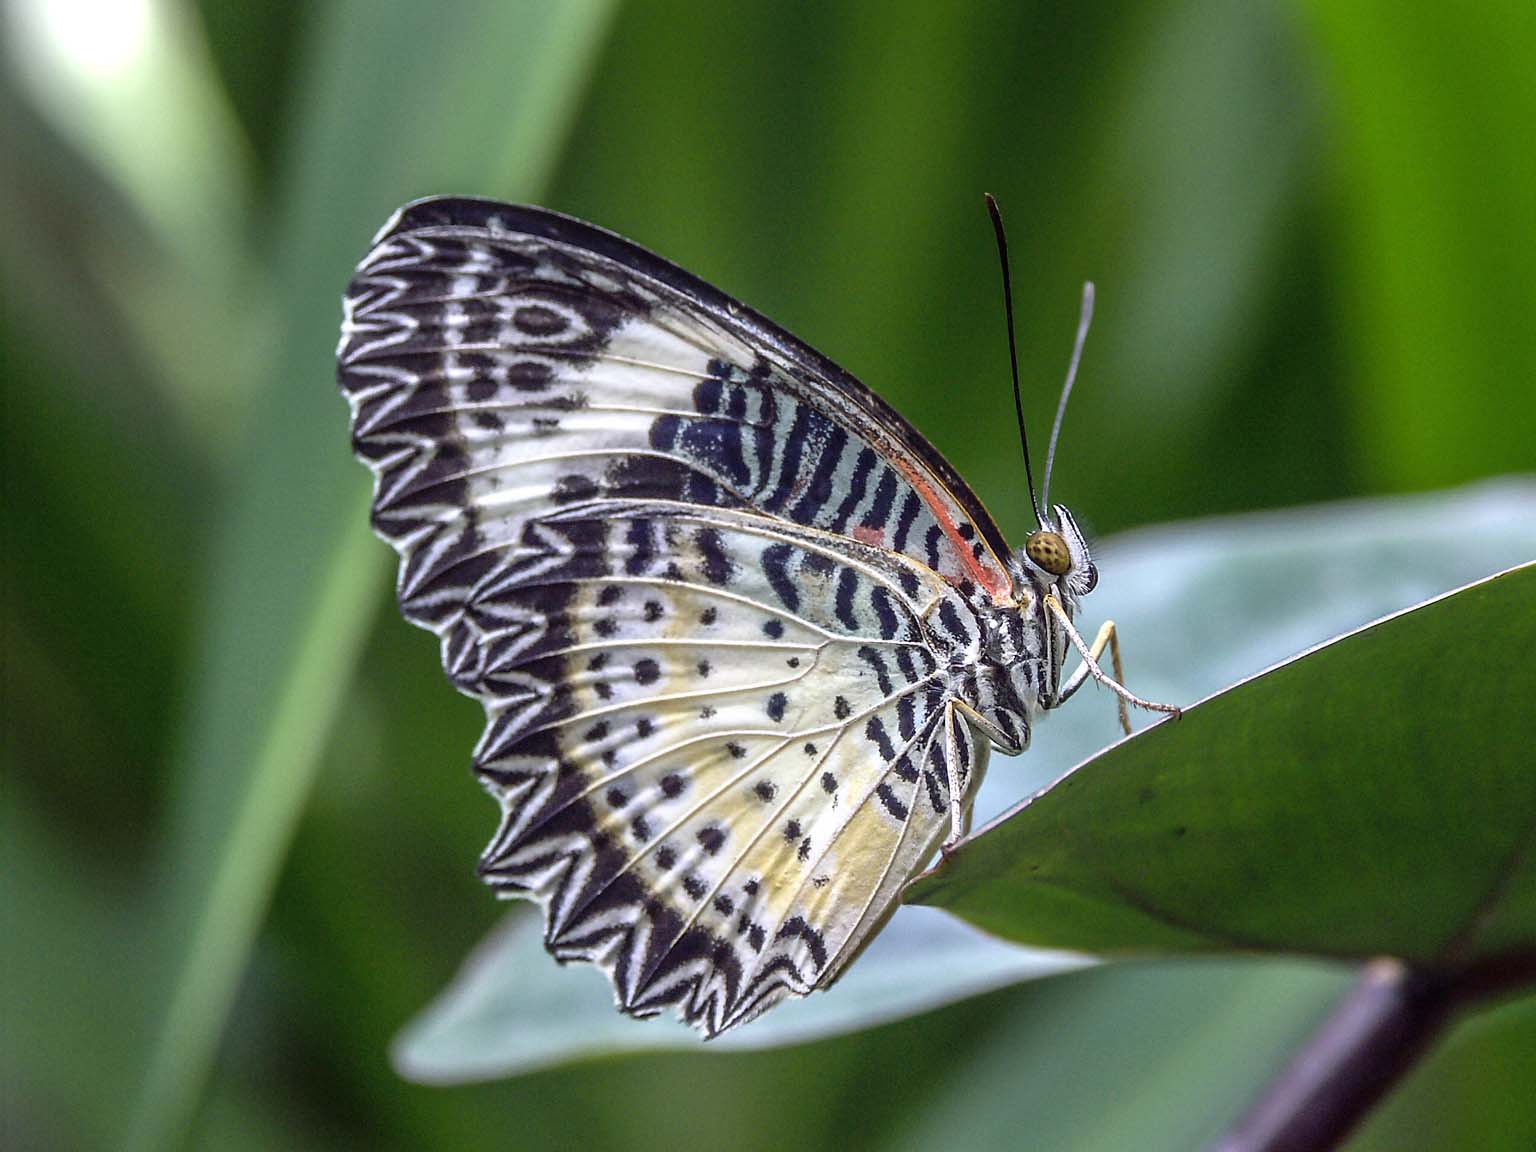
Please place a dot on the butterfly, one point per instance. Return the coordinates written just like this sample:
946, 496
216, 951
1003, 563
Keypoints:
743, 638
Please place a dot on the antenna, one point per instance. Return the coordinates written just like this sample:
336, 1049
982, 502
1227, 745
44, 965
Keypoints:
1083, 321
1013, 353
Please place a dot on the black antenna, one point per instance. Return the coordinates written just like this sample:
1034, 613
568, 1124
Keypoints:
1083, 321
1013, 351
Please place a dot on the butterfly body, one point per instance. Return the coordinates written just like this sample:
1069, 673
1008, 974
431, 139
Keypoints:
743, 638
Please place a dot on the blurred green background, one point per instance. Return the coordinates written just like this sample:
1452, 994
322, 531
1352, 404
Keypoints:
238, 825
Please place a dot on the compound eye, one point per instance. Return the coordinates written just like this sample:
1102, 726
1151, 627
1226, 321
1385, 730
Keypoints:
1049, 551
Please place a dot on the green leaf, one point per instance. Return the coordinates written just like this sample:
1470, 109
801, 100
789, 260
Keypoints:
512, 1010
1200, 604
1373, 796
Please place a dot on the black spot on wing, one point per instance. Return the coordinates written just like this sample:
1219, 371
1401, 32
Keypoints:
814, 564
539, 320
573, 488
879, 514
776, 568
885, 612
876, 662
863, 466
949, 617
847, 585
707, 393
718, 568
796, 927
933, 544
875, 732
793, 446
936, 799
819, 491
642, 547
890, 801
530, 375
906, 517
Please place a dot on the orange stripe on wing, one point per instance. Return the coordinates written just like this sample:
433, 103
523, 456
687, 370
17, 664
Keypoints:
994, 579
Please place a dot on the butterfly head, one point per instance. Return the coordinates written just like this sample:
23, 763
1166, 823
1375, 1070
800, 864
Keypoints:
1059, 554
1025, 644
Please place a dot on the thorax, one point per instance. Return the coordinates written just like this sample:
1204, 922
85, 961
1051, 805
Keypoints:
1004, 659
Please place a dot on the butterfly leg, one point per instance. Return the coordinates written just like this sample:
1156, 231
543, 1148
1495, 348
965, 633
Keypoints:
1110, 636
959, 817
1107, 635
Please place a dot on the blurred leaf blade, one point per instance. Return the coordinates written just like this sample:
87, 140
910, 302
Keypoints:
512, 1010
294, 575
1423, 100
142, 101
1426, 805
1174, 1048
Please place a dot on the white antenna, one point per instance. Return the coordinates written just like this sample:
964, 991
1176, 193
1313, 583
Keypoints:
1066, 389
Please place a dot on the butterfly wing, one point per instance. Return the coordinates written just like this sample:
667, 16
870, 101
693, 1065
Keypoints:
697, 577
517, 357
713, 779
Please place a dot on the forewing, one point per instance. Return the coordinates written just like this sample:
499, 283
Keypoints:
502, 360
